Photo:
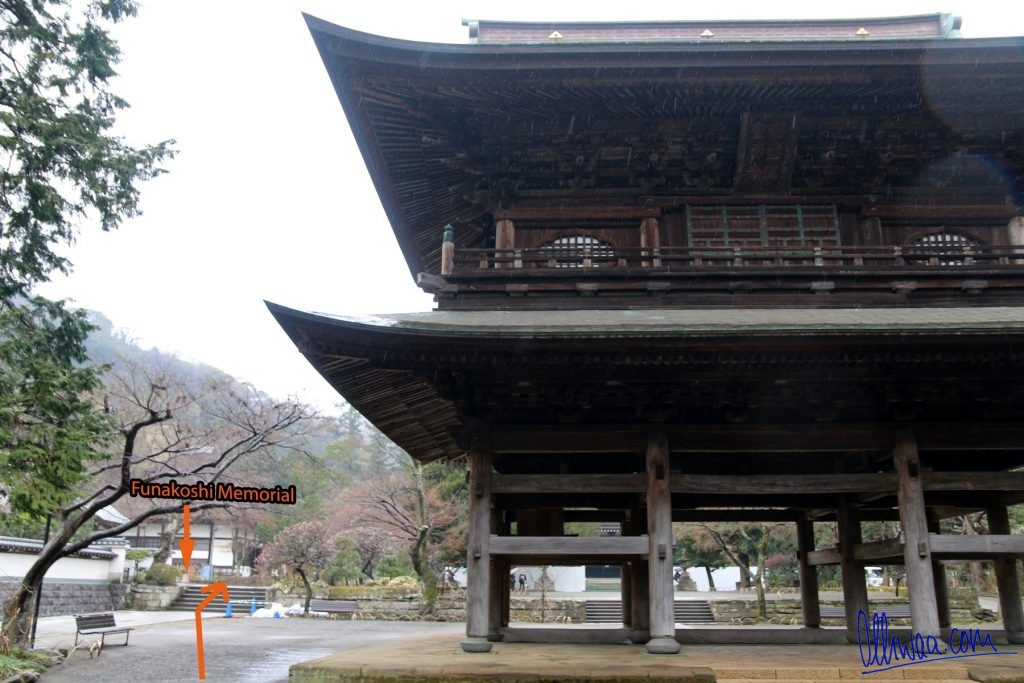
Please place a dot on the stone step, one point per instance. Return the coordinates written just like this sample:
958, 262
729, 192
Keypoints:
191, 596
819, 680
930, 672
686, 611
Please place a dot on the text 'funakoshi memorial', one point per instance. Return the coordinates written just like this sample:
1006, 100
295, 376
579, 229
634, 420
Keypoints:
699, 271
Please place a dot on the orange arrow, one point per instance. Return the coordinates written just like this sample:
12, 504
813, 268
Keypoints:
186, 542
214, 589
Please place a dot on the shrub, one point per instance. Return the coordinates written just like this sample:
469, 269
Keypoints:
163, 574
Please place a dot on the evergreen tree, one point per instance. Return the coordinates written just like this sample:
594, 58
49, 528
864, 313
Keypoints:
60, 167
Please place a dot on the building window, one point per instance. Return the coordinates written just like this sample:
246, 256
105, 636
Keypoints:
763, 225
942, 248
577, 251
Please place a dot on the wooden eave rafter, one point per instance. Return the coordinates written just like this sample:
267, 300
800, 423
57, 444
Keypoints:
407, 381
452, 84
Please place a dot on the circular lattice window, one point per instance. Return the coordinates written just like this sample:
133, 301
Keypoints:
942, 248
577, 251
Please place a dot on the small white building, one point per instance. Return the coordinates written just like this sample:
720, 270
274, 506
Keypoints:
223, 545
100, 562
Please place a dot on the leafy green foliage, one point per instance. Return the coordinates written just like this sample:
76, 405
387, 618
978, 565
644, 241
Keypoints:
20, 660
395, 564
163, 574
49, 427
346, 565
137, 555
59, 162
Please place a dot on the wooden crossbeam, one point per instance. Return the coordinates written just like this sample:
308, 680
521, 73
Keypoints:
889, 549
595, 546
567, 483
766, 484
973, 481
738, 438
975, 547
943, 547
824, 556
755, 484
738, 515
593, 515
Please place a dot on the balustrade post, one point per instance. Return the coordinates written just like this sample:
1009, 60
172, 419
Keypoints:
448, 250
650, 241
1015, 235
504, 243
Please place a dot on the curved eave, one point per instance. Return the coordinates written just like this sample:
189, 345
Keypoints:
356, 45
354, 60
401, 371
402, 405
504, 330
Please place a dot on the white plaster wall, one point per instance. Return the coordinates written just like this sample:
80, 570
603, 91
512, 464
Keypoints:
565, 579
116, 566
725, 578
15, 565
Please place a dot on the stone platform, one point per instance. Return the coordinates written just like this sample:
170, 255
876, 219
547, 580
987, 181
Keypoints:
440, 658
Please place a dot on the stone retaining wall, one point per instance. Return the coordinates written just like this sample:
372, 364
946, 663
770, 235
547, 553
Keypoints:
963, 608
60, 598
451, 606
145, 597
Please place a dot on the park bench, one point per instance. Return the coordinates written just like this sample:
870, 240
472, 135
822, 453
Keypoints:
91, 624
333, 606
893, 612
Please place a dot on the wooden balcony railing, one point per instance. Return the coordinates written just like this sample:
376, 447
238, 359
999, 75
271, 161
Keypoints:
676, 258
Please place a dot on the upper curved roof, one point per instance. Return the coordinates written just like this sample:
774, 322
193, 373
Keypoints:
454, 133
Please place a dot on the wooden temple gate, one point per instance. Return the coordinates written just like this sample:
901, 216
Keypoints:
680, 278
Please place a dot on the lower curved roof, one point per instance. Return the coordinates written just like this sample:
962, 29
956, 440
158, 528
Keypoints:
423, 378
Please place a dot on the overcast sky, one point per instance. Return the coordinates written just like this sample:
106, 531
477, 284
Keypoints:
268, 197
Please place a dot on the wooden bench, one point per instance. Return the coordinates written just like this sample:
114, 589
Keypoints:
893, 612
333, 606
91, 624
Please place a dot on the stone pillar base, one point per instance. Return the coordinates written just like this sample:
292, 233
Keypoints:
663, 646
495, 637
476, 645
639, 637
1016, 638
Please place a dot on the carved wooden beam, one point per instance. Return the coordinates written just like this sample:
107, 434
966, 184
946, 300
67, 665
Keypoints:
596, 546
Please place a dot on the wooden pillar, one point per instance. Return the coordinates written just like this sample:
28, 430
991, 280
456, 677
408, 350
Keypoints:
941, 583
626, 593
639, 612
504, 238
1015, 231
494, 588
448, 250
650, 242
808, 574
1006, 580
494, 600
917, 558
478, 557
855, 587
659, 535
640, 603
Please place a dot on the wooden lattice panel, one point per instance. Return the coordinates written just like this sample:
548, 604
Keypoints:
766, 226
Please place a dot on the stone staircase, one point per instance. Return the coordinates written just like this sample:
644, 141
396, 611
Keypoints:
240, 597
934, 673
686, 612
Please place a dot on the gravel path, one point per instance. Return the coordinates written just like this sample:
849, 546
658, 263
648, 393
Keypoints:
236, 649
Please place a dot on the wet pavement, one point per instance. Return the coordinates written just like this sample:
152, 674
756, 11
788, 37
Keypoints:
238, 649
